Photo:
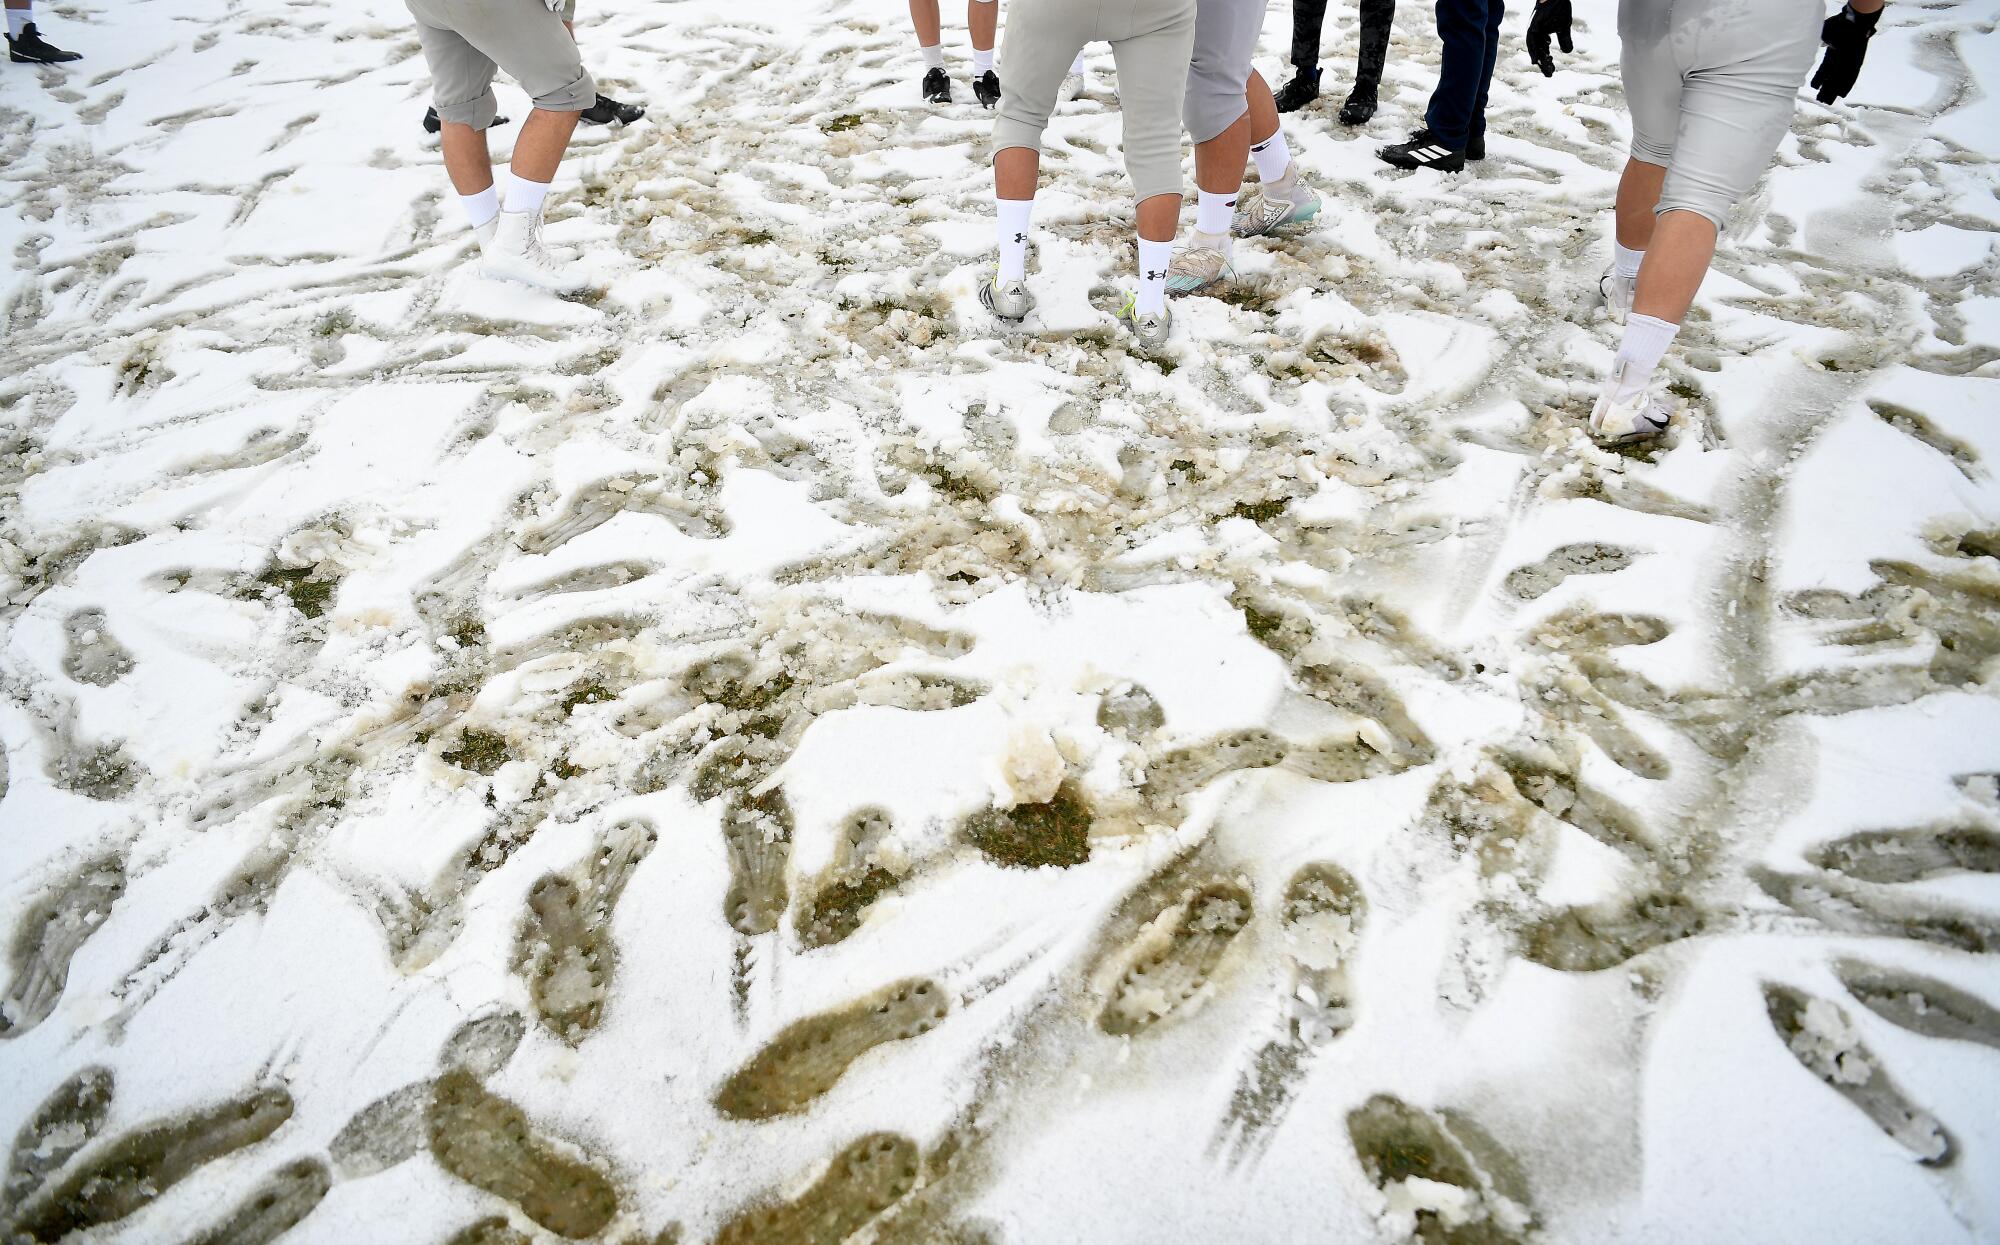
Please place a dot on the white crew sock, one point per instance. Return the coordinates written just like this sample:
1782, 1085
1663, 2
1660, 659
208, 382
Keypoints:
1013, 214
1213, 212
524, 195
1076, 66
481, 207
1153, 260
1272, 157
1625, 261
17, 20
933, 56
1646, 342
981, 61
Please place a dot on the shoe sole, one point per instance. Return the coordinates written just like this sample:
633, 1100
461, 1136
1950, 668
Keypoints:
1228, 274
1629, 438
1442, 166
491, 275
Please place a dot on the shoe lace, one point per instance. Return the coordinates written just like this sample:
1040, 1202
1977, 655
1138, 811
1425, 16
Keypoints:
1188, 260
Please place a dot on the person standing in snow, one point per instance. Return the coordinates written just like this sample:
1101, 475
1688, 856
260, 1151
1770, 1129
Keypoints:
602, 112
983, 16
1151, 41
1233, 119
1454, 128
25, 45
1308, 19
1711, 85
464, 42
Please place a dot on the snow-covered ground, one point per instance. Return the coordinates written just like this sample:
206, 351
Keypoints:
757, 754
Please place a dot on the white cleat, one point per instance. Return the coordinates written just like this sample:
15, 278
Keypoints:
484, 235
1617, 292
1149, 327
1009, 300
1625, 411
1196, 267
514, 252
1258, 213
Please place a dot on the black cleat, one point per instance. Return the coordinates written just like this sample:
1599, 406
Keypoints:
1475, 147
1303, 89
1424, 151
937, 87
32, 49
1360, 106
432, 125
606, 110
986, 88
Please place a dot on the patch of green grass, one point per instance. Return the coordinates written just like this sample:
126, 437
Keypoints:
1261, 511
586, 692
845, 121
334, 323
482, 752
308, 594
1029, 836
836, 911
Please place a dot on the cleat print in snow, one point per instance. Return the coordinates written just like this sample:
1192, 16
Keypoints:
396, 1126
1921, 1004
1322, 918
63, 1124
93, 655
125, 1173
1432, 1188
1584, 940
867, 1177
1912, 855
566, 953
1173, 957
488, 1142
809, 1057
274, 1206
1826, 1043
1538, 579
1186, 770
49, 937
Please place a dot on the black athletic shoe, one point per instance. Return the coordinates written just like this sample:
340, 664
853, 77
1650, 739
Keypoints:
32, 49
1303, 89
1359, 108
986, 88
606, 110
1475, 147
937, 87
1424, 151
432, 125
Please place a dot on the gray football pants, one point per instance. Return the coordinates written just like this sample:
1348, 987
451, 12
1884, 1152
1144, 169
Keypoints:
1150, 40
1711, 85
1218, 72
465, 40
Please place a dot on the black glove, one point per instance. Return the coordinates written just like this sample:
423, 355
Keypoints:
1846, 36
1551, 18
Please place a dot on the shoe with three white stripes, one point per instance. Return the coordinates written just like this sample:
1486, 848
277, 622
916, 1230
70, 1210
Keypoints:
1424, 150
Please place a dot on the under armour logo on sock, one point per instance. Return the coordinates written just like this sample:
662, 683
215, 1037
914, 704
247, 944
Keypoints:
1020, 237
1154, 276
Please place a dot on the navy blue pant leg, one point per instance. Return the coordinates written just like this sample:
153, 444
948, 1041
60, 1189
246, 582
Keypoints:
1470, 31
